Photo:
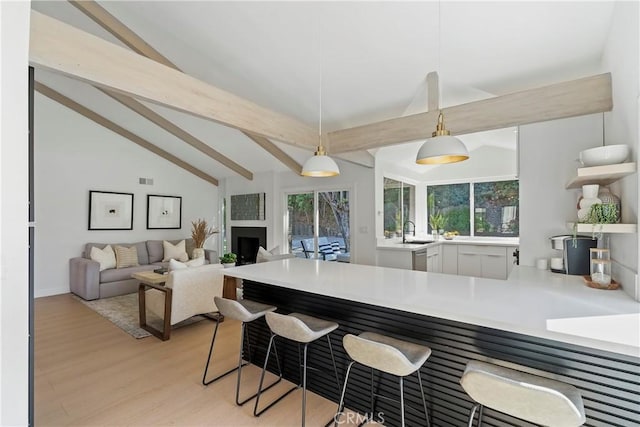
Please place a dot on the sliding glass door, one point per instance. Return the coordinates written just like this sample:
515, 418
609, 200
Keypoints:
318, 225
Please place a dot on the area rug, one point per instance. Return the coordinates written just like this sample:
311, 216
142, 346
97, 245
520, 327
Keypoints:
122, 311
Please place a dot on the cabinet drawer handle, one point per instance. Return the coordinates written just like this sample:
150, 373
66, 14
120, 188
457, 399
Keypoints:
467, 253
496, 256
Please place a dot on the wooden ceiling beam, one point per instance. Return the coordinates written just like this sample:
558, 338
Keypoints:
562, 100
123, 33
276, 152
178, 132
64, 49
102, 121
120, 31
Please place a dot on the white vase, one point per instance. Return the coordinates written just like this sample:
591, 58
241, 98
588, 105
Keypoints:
197, 253
229, 264
590, 191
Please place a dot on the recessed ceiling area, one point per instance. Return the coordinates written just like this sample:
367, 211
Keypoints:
368, 60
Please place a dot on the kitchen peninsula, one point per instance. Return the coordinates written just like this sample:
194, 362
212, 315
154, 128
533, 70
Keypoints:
534, 321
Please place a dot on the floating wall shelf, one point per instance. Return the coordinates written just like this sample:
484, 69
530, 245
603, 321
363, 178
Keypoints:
605, 228
603, 175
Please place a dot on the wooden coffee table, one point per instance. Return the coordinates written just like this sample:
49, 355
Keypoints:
149, 279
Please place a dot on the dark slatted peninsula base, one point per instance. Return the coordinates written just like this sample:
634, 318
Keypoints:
609, 383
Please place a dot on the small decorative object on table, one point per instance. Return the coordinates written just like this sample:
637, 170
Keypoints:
229, 259
161, 270
610, 287
200, 232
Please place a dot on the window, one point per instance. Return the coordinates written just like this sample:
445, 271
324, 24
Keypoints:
495, 207
452, 201
398, 206
496, 210
318, 225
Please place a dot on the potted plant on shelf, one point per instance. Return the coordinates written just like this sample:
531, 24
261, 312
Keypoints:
602, 213
200, 232
229, 259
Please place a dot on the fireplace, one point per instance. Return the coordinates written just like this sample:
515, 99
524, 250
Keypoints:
245, 242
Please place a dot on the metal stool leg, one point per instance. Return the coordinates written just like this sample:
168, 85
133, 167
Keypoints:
480, 413
402, 400
213, 340
238, 368
372, 403
344, 390
473, 413
424, 401
304, 384
257, 413
333, 360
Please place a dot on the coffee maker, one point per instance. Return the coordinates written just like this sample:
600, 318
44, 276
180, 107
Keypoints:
575, 253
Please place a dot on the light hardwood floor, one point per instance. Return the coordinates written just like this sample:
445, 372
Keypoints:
88, 372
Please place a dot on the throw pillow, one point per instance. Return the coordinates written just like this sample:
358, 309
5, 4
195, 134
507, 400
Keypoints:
263, 255
126, 257
177, 265
177, 252
275, 251
106, 257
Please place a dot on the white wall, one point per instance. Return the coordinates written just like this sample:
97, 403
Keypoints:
548, 153
74, 155
357, 179
622, 59
14, 270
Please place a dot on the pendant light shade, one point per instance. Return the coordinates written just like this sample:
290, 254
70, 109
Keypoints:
442, 147
320, 165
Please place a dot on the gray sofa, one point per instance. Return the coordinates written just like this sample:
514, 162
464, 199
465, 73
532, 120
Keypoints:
88, 282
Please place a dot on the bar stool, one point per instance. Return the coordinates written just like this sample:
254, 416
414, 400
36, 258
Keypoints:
301, 329
385, 354
246, 311
529, 397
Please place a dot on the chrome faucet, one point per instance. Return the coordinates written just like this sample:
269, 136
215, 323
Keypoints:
404, 227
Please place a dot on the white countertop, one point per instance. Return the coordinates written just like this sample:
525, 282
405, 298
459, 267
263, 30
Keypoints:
396, 244
530, 301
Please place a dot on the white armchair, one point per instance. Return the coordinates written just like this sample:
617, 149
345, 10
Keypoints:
186, 293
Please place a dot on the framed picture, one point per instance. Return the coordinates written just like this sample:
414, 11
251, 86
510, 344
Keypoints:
164, 211
247, 207
110, 211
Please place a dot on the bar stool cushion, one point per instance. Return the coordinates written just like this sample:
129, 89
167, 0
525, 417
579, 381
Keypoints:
243, 310
530, 397
299, 327
386, 354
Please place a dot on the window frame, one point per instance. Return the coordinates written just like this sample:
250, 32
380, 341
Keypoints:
471, 182
286, 192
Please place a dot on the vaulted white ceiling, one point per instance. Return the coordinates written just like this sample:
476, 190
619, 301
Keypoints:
369, 60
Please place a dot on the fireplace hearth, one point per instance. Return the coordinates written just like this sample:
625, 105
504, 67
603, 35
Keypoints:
245, 242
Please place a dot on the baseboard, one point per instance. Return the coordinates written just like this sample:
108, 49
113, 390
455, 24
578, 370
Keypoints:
47, 292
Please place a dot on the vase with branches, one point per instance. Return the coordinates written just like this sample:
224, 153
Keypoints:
200, 232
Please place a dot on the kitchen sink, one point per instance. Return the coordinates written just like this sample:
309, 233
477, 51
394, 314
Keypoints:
416, 242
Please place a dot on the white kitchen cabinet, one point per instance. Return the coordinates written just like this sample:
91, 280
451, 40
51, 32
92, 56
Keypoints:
434, 260
483, 261
449, 259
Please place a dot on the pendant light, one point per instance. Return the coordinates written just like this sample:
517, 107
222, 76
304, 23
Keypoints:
320, 165
441, 148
